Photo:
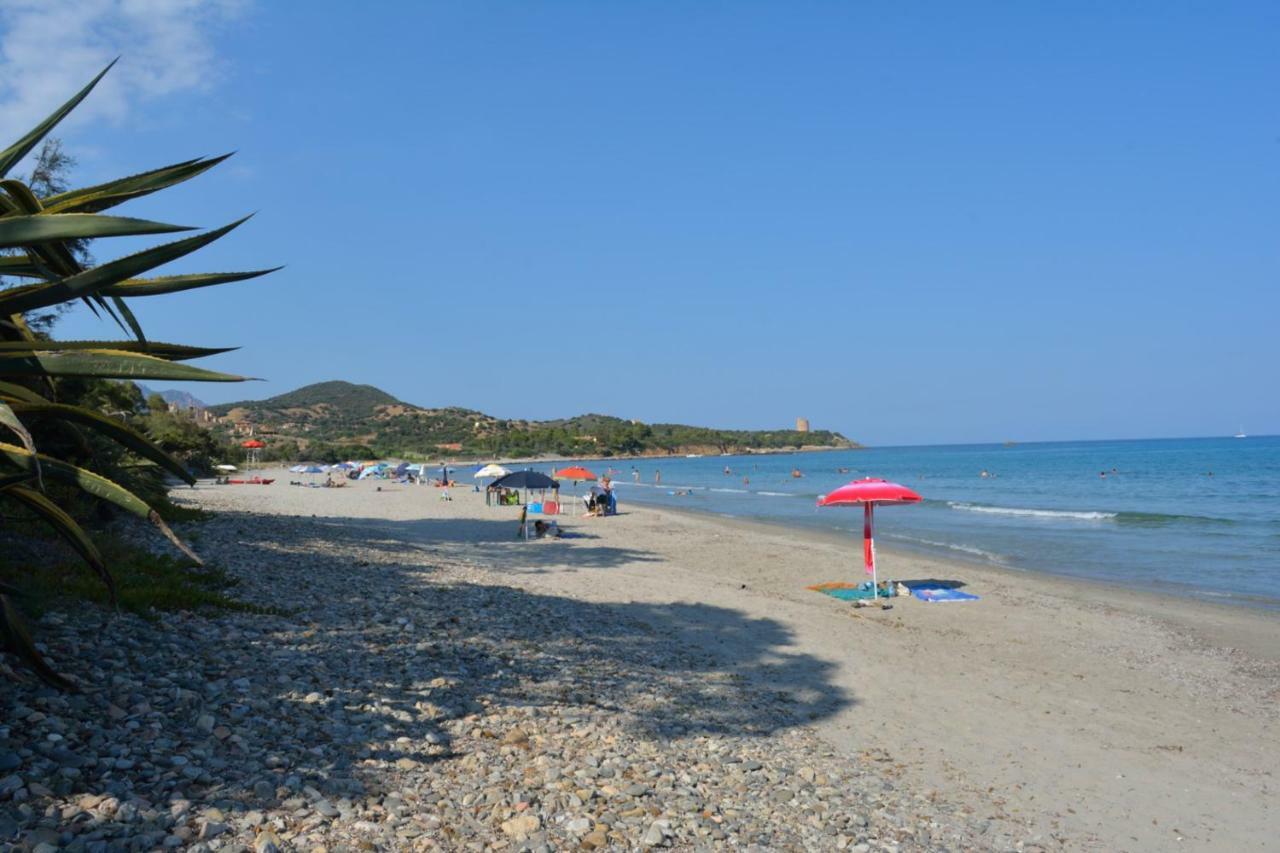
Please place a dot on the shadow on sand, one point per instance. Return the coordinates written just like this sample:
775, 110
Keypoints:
381, 659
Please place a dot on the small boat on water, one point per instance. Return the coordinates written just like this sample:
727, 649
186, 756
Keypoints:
1240, 433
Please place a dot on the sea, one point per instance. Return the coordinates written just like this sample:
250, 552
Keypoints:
1196, 517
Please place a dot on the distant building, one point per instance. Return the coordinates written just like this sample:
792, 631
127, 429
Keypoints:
802, 424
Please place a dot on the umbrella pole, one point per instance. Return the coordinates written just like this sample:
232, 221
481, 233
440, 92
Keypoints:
868, 533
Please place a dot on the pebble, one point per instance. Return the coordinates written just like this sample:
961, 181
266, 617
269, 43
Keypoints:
396, 699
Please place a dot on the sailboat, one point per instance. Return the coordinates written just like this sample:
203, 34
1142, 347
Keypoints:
1241, 434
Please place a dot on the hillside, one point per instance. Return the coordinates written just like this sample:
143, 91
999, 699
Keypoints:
339, 419
355, 399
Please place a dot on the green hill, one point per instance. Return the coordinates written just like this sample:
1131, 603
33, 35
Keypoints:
356, 399
339, 419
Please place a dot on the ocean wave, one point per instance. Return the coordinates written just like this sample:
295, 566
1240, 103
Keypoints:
733, 491
1034, 513
989, 556
1137, 518
777, 494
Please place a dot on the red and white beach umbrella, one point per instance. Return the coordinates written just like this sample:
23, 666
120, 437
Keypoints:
869, 492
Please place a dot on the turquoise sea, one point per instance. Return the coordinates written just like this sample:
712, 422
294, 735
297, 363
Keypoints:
1198, 517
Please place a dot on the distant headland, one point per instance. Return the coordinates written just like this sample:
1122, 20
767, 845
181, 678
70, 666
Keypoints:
344, 420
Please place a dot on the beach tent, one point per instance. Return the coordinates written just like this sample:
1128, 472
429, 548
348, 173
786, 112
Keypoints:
526, 480
869, 492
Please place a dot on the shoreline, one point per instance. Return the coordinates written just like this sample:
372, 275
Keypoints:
852, 541
1186, 613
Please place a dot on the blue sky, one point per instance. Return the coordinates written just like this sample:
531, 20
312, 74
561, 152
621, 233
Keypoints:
964, 222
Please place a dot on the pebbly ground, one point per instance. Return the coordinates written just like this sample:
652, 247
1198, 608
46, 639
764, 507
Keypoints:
413, 702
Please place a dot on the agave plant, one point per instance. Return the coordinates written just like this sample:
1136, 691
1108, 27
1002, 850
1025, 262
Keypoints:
36, 235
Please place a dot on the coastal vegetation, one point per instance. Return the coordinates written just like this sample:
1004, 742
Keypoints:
329, 421
80, 446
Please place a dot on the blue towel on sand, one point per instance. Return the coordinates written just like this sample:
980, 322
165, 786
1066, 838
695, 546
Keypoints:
943, 595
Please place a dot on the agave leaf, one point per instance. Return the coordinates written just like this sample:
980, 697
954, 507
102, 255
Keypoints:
170, 352
17, 639
119, 432
96, 485
85, 283
21, 265
12, 155
105, 364
67, 528
130, 319
102, 196
17, 392
175, 283
56, 255
9, 418
19, 231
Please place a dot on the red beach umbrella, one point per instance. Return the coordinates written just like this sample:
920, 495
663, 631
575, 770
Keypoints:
575, 473
869, 492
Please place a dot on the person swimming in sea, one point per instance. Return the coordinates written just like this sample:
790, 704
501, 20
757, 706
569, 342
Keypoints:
795, 472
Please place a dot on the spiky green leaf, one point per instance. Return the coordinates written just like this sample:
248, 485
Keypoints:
21, 265
17, 640
105, 364
9, 418
11, 392
94, 484
21, 231
33, 297
119, 432
175, 283
12, 155
102, 196
66, 527
171, 352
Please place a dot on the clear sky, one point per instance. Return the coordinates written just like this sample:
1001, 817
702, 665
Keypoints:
908, 222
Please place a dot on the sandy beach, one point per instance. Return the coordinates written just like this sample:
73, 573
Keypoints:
1100, 717
427, 681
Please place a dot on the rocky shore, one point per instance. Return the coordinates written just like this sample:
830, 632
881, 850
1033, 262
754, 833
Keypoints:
411, 700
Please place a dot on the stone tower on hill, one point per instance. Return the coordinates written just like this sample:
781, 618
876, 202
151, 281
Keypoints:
802, 424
